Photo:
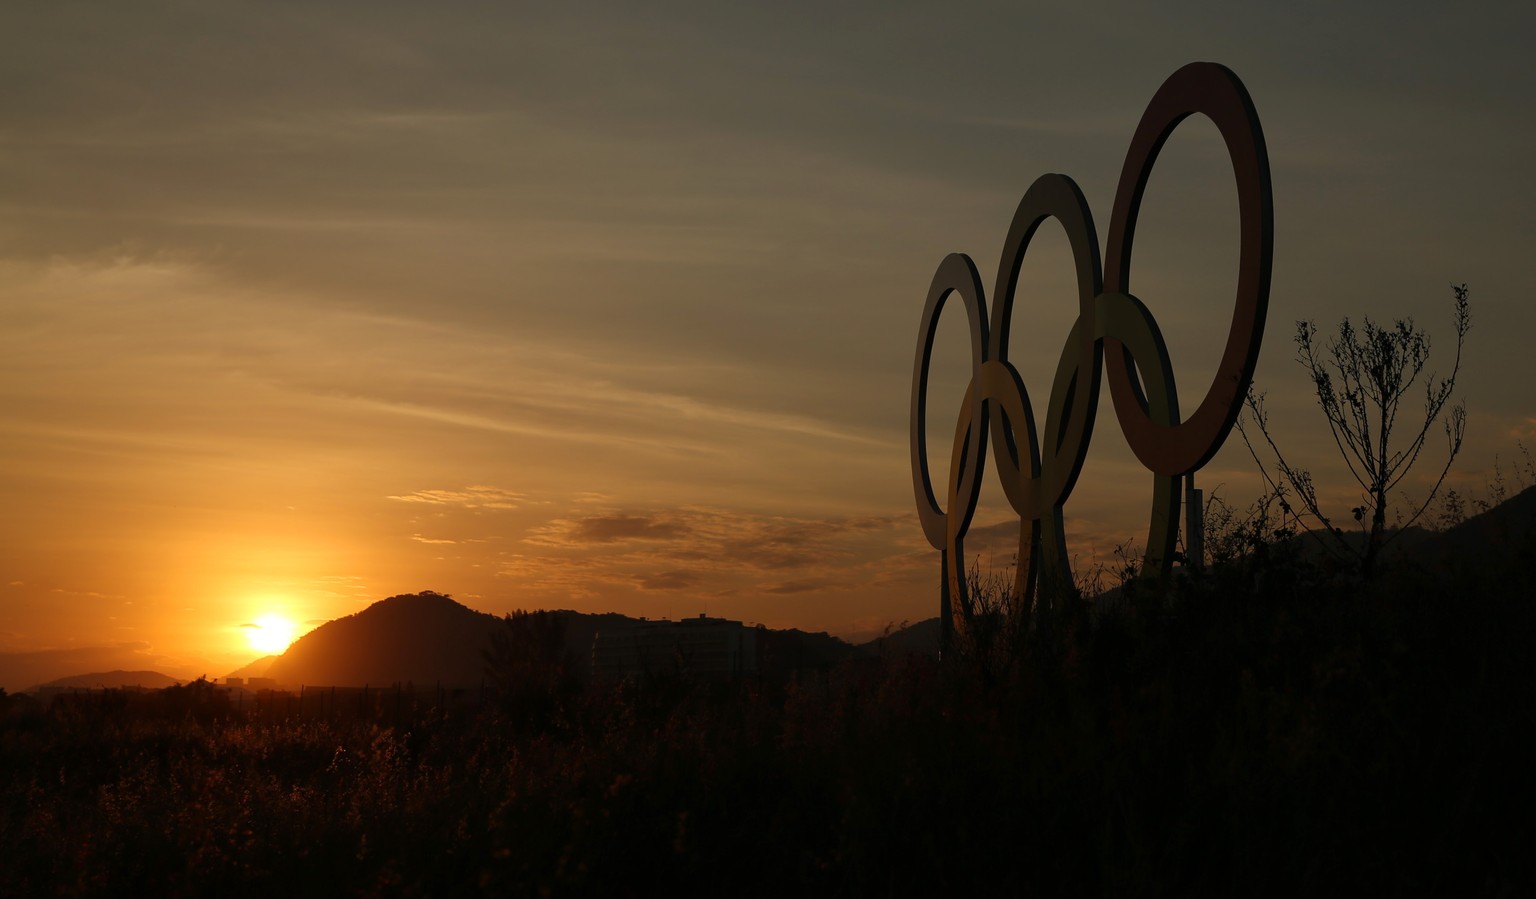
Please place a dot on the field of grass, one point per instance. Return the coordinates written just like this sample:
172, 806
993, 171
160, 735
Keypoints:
1264, 732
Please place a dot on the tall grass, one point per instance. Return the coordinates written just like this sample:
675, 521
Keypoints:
1261, 730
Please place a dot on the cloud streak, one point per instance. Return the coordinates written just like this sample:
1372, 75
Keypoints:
477, 497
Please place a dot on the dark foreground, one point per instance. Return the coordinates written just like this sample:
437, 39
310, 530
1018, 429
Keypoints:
1253, 736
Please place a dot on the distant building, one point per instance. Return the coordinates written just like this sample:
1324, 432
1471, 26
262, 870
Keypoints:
234, 681
261, 683
709, 647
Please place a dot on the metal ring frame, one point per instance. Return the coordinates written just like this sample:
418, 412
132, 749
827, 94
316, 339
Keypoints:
1115, 334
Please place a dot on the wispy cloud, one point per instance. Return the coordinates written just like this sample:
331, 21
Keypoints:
477, 497
677, 579
710, 537
703, 553
615, 528
788, 588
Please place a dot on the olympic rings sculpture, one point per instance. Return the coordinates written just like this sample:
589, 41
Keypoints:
1115, 335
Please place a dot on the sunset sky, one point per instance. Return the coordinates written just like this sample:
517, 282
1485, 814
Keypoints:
613, 308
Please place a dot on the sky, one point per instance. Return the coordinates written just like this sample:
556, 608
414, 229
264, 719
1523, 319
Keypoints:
612, 307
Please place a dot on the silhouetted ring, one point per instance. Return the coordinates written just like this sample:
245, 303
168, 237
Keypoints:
1039, 470
1215, 91
1058, 458
956, 274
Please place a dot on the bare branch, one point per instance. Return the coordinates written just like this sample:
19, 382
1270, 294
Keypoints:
1361, 382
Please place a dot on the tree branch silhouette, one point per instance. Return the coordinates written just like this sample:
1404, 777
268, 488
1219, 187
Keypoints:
1361, 379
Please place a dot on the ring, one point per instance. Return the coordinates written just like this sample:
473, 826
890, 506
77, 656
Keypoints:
1115, 334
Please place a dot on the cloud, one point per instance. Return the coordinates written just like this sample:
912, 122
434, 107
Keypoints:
996, 544
789, 570
707, 552
777, 543
342, 586
610, 528
676, 579
477, 497
712, 538
564, 577
789, 588
84, 594
613, 528
420, 539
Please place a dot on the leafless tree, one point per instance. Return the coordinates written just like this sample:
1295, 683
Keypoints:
1362, 378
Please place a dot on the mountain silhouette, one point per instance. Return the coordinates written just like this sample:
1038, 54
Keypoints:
1497, 544
918, 638
257, 668
430, 639
1492, 540
152, 680
781, 652
422, 638
1506, 531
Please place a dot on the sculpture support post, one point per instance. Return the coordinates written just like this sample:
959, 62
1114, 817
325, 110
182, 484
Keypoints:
1194, 524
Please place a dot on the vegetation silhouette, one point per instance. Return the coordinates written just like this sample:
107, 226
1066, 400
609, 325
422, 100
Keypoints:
536, 674
1361, 385
1262, 727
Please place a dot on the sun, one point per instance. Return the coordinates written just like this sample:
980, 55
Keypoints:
270, 634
